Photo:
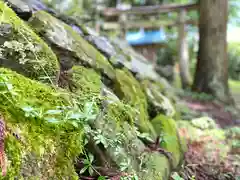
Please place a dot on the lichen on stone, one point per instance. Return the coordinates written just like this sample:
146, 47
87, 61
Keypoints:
157, 102
68, 43
23, 51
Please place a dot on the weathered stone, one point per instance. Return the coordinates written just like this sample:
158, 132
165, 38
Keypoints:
21, 8
77, 29
102, 44
135, 62
70, 21
119, 61
38, 5
23, 51
69, 46
158, 103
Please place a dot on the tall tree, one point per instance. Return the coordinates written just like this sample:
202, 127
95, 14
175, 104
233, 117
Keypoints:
212, 67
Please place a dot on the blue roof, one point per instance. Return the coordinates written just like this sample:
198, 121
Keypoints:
145, 37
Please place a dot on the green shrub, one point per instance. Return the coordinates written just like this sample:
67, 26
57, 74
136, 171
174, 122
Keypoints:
234, 60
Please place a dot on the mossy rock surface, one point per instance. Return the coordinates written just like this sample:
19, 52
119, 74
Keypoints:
22, 50
158, 167
133, 61
166, 127
128, 89
47, 143
82, 81
48, 139
102, 44
123, 145
21, 8
158, 103
69, 46
114, 131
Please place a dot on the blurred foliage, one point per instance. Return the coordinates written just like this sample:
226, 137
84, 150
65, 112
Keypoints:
73, 7
234, 60
234, 9
167, 55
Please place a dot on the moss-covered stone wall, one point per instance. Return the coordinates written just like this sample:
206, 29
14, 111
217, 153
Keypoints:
64, 120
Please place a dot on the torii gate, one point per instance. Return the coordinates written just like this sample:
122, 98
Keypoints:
123, 23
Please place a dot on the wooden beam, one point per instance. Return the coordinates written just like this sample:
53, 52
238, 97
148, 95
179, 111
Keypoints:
108, 12
145, 24
148, 24
110, 26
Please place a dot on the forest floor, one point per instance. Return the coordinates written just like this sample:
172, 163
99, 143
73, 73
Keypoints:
225, 116
209, 157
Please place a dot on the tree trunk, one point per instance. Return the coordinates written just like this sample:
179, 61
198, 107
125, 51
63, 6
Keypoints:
183, 53
212, 67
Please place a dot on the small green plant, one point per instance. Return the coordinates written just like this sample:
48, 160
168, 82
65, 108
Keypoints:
100, 138
145, 136
18, 49
102, 178
176, 176
88, 161
130, 177
125, 165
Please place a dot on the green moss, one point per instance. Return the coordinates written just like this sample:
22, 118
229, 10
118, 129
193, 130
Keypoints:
115, 127
167, 127
128, 148
24, 51
158, 167
46, 149
125, 147
87, 81
121, 112
58, 33
129, 90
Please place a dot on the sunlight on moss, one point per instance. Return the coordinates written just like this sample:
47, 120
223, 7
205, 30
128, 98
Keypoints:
46, 148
